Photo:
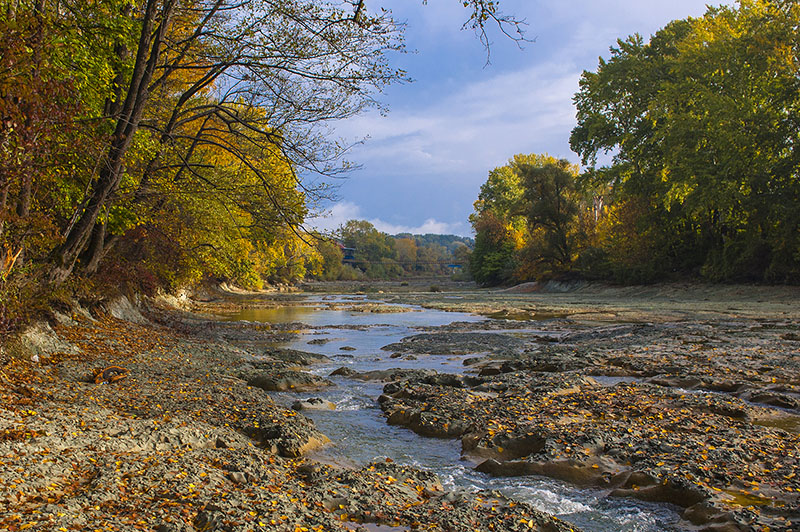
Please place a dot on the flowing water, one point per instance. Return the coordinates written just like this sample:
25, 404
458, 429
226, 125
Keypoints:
360, 434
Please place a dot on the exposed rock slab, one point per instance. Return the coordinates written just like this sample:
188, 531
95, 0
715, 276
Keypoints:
286, 380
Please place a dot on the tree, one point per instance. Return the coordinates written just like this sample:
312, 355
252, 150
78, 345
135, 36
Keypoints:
406, 253
374, 251
433, 258
500, 221
39, 141
461, 257
502, 192
180, 113
304, 63
493, 260
551, 209
331, 259
703, 124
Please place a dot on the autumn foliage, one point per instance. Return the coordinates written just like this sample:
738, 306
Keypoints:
155, 144
698, 130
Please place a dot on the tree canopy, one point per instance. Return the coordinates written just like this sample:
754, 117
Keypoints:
700, 126
166, 141
365, 252
702, 122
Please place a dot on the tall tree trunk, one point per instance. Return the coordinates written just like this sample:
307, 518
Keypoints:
110, 175
99, 245
23, 212
3, 203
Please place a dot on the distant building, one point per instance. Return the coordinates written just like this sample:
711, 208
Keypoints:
348, 254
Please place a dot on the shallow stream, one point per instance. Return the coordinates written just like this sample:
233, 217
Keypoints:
360, 434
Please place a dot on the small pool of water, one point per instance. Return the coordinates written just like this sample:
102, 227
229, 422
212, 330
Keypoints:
360, 434
314, 316
610, 380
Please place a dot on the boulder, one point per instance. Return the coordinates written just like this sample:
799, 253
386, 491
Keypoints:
426, 424
313, 403
290, 440
122, 309
42, 341
287, 380
394, 374
344, 371
502, 447
294, 356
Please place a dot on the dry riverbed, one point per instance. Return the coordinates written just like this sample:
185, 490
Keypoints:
190, 440
680, 394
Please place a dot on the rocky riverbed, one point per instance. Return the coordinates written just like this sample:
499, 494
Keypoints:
189, 439
688, 399
686, 395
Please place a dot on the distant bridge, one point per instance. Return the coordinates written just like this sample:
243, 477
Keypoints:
404, 262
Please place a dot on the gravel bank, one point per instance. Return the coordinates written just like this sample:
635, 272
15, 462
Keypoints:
187, 441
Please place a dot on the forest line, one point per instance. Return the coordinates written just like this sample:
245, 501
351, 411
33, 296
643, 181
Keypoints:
701, 125
157, 144
154, 144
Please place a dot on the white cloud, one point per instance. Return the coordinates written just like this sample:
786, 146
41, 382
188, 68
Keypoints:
343, 211
490, 117
474, 129
337, 215
430, 225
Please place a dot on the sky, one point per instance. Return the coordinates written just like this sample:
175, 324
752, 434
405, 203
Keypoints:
422, 164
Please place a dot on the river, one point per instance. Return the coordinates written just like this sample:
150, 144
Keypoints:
360, 434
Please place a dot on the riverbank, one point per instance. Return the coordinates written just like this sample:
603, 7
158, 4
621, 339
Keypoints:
686, 395
187, 440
